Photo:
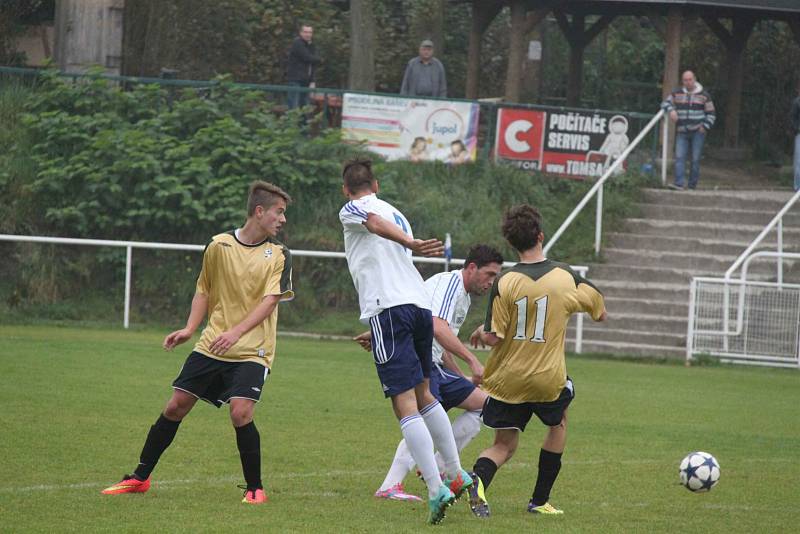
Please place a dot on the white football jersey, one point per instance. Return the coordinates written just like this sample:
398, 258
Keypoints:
449, 301
382, 270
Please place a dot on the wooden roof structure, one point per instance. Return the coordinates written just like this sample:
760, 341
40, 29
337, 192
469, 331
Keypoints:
667, 17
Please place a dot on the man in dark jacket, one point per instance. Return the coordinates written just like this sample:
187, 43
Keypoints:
303, 59
692, 109
795, 115
424, 74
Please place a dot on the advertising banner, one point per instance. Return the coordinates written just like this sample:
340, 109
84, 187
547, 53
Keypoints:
567, 143
411, 128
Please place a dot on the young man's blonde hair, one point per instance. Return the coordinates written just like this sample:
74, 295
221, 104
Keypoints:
264, 194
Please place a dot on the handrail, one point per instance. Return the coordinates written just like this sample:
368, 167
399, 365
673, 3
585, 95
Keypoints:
130, 245
598, 186
775, 220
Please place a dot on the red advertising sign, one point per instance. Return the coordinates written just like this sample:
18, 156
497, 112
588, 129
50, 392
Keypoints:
567, 143
520, 137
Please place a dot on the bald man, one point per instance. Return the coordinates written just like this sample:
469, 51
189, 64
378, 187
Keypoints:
691, 109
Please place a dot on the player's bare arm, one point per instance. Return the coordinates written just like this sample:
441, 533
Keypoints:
387, 230
257, 316
196, 315
450, 343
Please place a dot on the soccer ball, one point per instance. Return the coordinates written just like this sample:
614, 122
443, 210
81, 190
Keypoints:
699, 471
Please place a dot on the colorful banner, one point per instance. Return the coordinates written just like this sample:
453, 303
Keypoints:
568, 143
413, 129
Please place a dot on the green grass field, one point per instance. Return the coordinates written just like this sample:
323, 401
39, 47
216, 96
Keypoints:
78, 403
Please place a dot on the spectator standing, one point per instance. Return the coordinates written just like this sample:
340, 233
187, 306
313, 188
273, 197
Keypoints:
690, 107
795, 115
424, 74
300, 67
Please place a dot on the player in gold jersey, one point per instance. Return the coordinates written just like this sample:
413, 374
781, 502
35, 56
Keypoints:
529, 307
245, 274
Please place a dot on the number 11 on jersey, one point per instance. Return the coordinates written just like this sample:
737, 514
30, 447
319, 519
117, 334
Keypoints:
522, 319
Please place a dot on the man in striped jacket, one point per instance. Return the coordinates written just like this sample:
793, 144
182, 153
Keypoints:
690, 107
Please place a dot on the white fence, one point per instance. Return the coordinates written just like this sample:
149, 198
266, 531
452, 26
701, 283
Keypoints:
130, 245
765, 316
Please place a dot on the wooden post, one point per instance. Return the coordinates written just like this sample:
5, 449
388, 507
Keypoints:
794, 24
362, 46
483, 13
516, 51
735, 42
579, 38
672, 60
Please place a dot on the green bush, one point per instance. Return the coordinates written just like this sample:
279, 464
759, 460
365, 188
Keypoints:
89, 159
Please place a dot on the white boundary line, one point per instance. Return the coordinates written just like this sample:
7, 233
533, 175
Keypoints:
323, 474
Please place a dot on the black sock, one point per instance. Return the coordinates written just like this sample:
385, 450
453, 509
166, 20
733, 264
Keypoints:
549, 466
158, 439
485, 468
249, 443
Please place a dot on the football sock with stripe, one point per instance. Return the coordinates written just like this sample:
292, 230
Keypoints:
158, 439
442, 434
465, 427
402, 463
549, 466
248, 441
420, 444
485, 468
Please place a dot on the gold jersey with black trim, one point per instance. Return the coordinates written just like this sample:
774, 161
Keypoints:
529, 307
236, 277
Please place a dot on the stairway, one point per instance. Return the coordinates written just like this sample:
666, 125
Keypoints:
650, 260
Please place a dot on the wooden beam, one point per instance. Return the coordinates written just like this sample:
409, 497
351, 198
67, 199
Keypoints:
578, 38
658, 23
483, 13
722, 33
516, 50
794, 25
534, 18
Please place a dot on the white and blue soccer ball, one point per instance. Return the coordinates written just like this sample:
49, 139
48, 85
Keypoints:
699, 471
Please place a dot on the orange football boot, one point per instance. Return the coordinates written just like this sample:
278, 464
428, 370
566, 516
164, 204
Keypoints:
128, 484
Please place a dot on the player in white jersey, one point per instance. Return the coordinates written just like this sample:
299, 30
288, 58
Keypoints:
378, 243
450, 301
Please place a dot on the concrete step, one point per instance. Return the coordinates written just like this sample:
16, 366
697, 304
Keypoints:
770, 201
717, 247
721, 214
599, 333
633, 349
701, 230
698, 262
621, 288
646, 322
640, 274
671, 308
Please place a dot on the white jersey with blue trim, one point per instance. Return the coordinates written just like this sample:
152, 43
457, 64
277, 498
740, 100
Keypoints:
449, 301
382, 270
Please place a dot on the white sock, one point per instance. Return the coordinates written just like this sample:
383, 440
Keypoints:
465, 428
442, 433
419, 442
402, 463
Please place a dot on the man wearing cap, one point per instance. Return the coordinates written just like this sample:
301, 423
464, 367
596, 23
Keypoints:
424, 74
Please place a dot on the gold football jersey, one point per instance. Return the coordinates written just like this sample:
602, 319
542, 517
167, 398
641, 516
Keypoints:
236, 277
529, 307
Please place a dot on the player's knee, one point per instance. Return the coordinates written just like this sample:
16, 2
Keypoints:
241, 415
178, 407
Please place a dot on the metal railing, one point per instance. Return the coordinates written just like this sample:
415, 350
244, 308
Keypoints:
598, 187
130, 245
739, 291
